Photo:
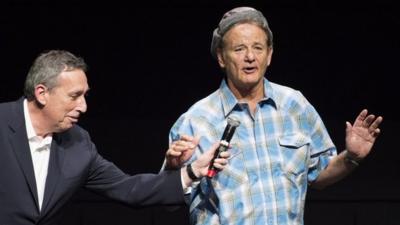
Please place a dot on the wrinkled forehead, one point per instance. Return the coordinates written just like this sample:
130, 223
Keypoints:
245, 31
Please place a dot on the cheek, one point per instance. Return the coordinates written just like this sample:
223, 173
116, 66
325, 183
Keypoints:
64, 109
69, 105
232, 71
234, 65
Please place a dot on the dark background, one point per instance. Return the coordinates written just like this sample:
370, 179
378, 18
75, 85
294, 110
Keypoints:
149, 63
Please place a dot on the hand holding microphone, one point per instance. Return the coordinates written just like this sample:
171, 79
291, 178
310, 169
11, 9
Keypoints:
199, 168
223, 144
213, 160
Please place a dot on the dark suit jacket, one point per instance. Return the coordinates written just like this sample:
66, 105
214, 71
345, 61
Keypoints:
74, 163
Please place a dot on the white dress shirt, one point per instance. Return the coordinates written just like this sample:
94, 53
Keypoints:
40, 152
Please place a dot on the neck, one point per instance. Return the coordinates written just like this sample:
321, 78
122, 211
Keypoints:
249, 95
38, 120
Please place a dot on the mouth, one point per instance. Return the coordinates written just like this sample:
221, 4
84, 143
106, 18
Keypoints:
249, 69
73, 119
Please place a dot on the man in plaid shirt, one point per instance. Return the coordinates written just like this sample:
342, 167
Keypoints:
281, 145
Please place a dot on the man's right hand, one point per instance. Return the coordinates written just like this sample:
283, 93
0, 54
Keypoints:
180, 151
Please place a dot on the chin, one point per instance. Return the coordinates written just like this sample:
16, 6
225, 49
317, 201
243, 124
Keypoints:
65, 127
251, 83
251, 79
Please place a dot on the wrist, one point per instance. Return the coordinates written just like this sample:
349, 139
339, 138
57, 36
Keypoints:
191, 173
348, 158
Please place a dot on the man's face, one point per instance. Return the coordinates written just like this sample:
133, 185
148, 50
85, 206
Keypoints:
245, 56
66, 101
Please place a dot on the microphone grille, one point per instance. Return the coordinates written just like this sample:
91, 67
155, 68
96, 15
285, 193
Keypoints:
233, 121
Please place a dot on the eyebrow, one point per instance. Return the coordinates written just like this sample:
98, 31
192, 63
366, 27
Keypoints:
80, 92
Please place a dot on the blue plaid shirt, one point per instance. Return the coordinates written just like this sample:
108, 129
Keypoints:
275, 153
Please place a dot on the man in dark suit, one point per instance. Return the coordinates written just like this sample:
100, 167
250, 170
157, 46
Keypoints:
45, 157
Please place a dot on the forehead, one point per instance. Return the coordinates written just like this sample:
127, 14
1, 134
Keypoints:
245, 32
73, 79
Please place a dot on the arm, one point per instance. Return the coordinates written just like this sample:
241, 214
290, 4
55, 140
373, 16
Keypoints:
360, 138
164, 188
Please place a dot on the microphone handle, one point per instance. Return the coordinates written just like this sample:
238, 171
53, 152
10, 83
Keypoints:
223, 146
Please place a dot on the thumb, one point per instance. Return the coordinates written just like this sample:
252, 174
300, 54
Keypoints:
196, 140
187, 154
348, 128
188, 151
211, 152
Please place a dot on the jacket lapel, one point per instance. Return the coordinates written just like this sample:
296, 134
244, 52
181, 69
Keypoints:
54, 171
19, 142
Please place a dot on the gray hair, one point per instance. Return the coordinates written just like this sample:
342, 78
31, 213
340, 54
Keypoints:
47, 67
236, 16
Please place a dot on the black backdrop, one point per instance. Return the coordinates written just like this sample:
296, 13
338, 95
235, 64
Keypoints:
148, 63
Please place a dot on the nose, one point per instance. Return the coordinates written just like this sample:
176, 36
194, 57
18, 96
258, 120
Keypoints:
82, 107
249, 57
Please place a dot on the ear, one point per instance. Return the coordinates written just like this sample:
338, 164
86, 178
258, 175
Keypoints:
220, 58
41, 92
269, 55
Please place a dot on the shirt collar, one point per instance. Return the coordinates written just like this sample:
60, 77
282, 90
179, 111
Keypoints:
31, 132
229, 101
29, 128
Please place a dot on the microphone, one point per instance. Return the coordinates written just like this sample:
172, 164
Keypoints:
223, 144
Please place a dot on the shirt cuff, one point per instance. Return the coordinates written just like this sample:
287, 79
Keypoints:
186, 190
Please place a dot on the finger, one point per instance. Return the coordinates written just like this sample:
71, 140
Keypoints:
348, 128
179, 148
187, 154
368, 120
225, 154
221, 161
375, 124
218, 166
376, 132
211, 150
182, 145
172, 153
185, 137
189, 142
360, 118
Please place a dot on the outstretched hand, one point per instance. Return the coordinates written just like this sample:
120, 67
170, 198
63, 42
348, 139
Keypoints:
180, 151
361, 136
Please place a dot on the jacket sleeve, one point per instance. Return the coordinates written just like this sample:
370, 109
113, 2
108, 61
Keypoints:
148, 189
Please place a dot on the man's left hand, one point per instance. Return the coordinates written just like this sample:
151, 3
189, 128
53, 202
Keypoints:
361, 136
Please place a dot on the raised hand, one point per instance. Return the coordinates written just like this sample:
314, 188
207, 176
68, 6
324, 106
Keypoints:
361, 136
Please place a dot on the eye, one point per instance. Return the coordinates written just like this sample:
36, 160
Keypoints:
74, 97
239, 48
258, 47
